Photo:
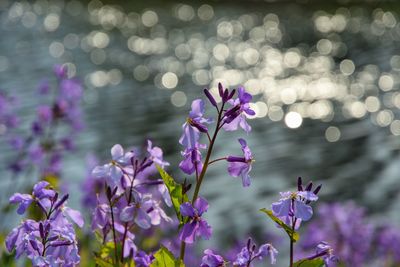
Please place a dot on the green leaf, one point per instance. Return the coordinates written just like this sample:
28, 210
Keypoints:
309, 263
104, 258
165, 258
102, 262
175, 192
129, 264
293, 235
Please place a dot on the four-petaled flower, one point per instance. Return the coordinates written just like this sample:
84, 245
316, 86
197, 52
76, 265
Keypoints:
294, 204
212, 260
196, 226
192, 159
194, 125
235, 117
114, 168
241, 166
249, 253
326, 252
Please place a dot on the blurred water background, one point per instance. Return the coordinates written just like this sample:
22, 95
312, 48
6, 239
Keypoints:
324, 78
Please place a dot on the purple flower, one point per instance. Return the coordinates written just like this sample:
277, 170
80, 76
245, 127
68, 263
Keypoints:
241, 166
293, 204
142, 259
196, 226
235, 117
249, 253
346, 228
194, 125
138, 211
113, 169
60, 71
192, 159
325, 252
45, 114
156, 155
52, 241
212, 260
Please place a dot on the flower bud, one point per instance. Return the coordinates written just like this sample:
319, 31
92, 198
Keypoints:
210, 97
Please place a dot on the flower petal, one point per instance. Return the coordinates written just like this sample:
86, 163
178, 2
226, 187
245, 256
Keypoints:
188, 232
187, 210
302, 210
201, 205
117, 152
282, 207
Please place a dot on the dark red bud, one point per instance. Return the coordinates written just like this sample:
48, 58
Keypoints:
41, 230
309, 186
210, 97
220, 90
299, 184
316, 190
225, 96
231, 94
59, 203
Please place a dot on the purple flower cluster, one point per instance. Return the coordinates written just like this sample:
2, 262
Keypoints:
51, 241
45, 147
131, 199
357, 242
8, 119
229, 119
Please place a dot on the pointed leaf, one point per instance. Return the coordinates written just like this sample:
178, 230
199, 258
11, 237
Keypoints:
175, 192
309, 263
292, 234
165, 258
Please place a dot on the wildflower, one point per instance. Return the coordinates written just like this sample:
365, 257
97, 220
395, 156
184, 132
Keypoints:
249, 253
196, 226
143, 260
241, 166
293, 204
212, 260
325, 252
194, 125
192, 159
235, 117
114, 168
52, 241
156, 154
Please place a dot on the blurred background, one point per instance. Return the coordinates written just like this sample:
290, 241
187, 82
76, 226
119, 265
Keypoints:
324, 76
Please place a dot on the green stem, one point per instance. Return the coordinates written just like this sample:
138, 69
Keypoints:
114, 235
294, 220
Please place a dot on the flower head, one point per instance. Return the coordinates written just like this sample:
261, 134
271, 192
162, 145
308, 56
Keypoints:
196, 226
113, 169
325, 252
250, 253
235, 117
241, 166
212, 260
192, 159
293, 207
194, 125
293, 204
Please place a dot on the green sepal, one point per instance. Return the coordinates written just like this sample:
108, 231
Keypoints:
165, 258
293, 235
175, 191
309, 263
